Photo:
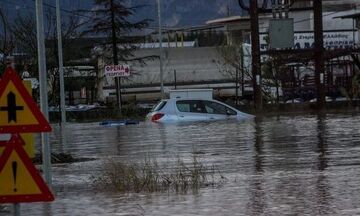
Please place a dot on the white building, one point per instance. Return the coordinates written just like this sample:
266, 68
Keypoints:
187, 67
192, 67
338, 34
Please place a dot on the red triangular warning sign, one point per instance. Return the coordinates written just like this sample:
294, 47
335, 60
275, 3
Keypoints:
18, 112
20, 181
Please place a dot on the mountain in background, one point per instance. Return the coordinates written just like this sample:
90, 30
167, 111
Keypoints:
175, 13
185, 13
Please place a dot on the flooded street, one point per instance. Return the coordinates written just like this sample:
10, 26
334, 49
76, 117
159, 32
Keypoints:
287, 165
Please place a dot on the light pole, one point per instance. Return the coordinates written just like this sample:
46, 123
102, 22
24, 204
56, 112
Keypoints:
160, 50
255, 52
43, 88
61, 64
115, 54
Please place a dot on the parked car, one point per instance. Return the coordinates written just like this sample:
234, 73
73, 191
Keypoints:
176, 109
327, 99
294, 101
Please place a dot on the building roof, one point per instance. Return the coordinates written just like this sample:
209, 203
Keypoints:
227, 20
349, 16
233, 19
166, 45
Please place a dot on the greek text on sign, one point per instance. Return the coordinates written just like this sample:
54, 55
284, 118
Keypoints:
332, 40
117, 70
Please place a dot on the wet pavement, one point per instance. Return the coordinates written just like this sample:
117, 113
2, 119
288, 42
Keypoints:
287, 165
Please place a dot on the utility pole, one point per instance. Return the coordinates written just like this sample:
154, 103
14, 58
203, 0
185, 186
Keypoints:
46, 152
236, 86
255, 52
61, 75
175, 79
319, 54
161, 51
115, 55
61, 64
242, 68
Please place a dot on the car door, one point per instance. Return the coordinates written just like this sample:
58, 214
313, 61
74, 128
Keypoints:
218, 111
191, 110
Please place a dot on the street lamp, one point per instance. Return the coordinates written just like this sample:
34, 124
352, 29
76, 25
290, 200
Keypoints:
160, 50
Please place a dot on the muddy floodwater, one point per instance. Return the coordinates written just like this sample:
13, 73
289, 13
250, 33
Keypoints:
282, 165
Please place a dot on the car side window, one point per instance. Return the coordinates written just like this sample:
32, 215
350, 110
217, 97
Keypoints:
216, 108
230, 111
194, 106
183, 106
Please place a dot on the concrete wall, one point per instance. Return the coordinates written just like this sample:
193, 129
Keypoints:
196, 64
199, 65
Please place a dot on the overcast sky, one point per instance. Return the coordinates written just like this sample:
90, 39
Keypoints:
179, 13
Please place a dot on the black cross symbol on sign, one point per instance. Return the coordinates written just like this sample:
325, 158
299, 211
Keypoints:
11, 107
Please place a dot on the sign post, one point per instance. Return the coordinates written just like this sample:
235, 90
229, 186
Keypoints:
19, 179
18, 112
17, 209
43, 87
22, 180
117, 71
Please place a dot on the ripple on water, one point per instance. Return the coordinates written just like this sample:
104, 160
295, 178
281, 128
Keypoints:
283, 165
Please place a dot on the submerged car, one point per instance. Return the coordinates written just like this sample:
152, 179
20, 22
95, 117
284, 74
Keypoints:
175, 109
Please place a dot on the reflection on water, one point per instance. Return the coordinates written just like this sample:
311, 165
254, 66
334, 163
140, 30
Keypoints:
256, 191
293, 165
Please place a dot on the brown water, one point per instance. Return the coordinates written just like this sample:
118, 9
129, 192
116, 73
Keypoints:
288, 165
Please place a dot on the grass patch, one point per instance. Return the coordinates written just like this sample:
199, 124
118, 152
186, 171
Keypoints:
150, 177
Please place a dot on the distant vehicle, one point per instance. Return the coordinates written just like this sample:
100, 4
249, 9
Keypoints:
327, 99
194, 110
295, 100
341, 99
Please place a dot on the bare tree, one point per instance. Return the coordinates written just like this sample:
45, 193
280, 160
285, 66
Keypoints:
6, 42
24, 31
232, 63
276, 72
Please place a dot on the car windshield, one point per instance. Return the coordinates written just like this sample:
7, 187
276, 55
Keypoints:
159, 106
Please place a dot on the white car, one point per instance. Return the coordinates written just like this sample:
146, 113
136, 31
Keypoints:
193, 110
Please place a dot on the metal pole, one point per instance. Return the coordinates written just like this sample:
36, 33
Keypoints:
319, 54
160, 50
115, 55
16, 209
175, 78
236, 86
61, 64
43, 89
242, 70
255, 51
